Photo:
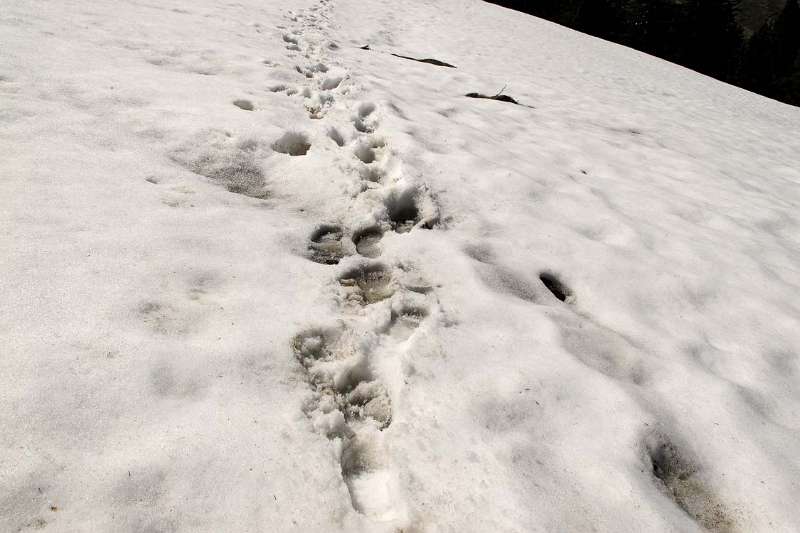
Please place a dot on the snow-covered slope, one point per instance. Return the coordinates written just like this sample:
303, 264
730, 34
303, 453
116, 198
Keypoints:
257, 278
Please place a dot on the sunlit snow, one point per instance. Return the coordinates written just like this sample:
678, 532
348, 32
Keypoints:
265, 267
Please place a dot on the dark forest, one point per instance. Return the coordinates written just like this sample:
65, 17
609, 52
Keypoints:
744, 43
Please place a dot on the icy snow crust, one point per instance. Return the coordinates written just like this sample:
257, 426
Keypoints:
257, 278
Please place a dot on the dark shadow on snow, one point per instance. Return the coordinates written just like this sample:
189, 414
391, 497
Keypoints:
500, 97
428, 60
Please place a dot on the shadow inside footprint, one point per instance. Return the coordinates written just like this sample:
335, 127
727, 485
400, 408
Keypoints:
292, 143
405, 321
402, 209
373, 283
681, 480
247, 105
328, 84
362, 121
506, 281
366, 109
336, 136
325, 244
368, 401
365, 154
371, 174
557, 287
367, 479
359, 457
362, 126
367, 241
315, 345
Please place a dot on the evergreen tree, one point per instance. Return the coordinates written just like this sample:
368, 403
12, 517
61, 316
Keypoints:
771, 64
715, 37
786, 85
600, 18
758, 68
787, 36
663, 30
703, 35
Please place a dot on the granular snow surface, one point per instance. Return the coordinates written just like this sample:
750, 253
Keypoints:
266, 268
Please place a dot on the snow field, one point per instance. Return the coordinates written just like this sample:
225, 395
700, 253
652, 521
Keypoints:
267, 271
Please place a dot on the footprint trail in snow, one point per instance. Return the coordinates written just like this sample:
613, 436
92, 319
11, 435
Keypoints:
350, 361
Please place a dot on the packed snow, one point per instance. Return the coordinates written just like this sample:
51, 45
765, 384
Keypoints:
266, 267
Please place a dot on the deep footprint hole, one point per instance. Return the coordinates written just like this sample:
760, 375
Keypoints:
336, 137
331, 83
292, 143
327, 233
412, 313
365, 154
402, 209
367, 241
357, 458
666, 463
555, 286
360, 122
373, 282
247, 105
325, 246
368, 401
366, 109
410, 316
363, 127
371, 174
405, 321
